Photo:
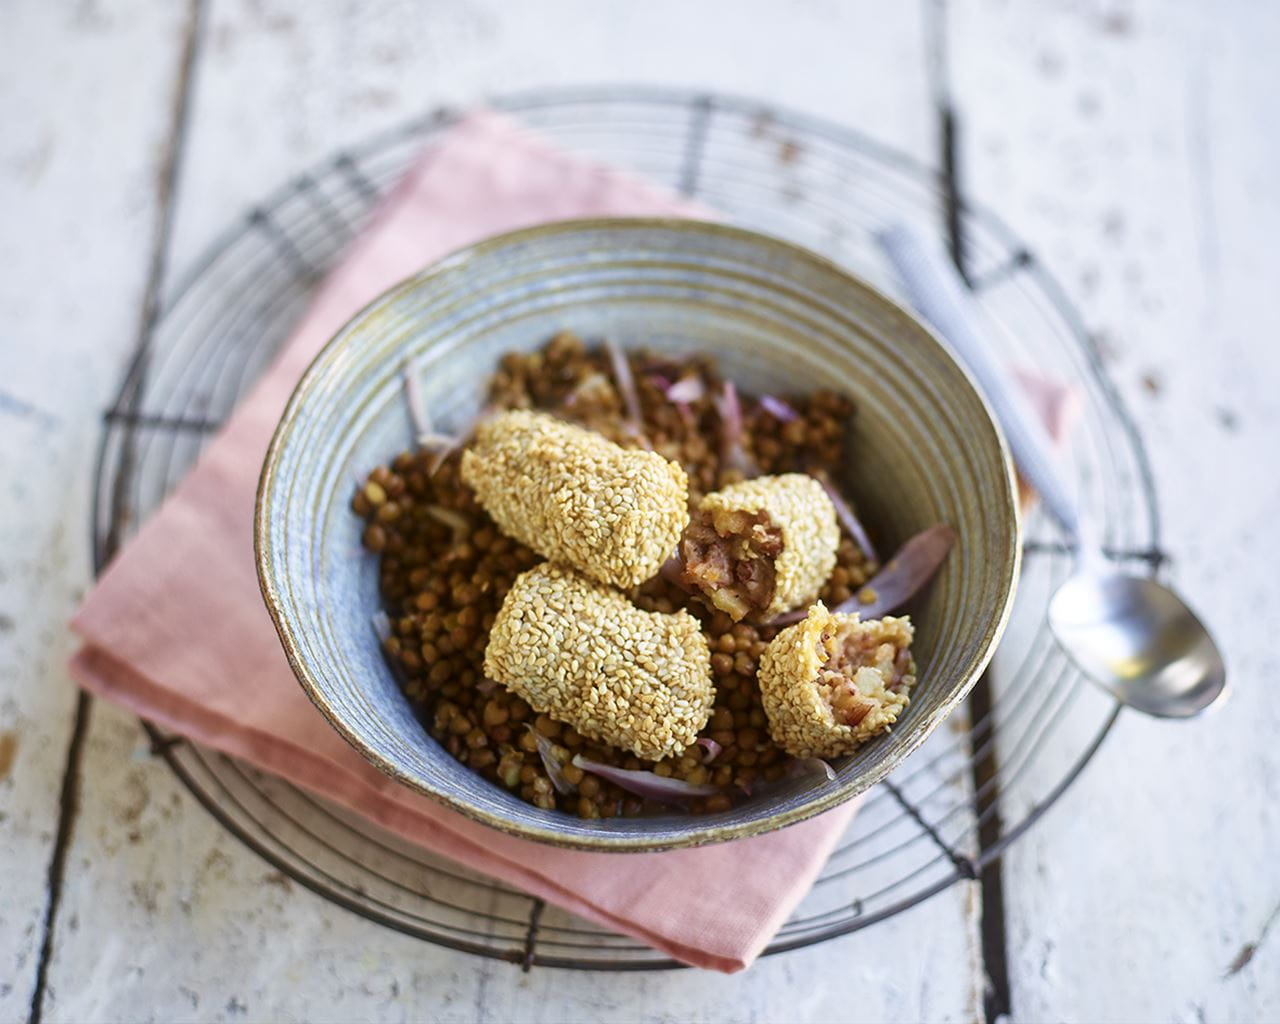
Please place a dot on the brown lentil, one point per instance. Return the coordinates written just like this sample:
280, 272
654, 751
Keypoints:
442, 592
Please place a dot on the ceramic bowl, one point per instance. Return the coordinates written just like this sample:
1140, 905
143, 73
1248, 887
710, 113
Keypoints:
922, 449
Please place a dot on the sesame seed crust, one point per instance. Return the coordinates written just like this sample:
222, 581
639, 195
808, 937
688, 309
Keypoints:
800, 508
580, 652
575, 497
801, 720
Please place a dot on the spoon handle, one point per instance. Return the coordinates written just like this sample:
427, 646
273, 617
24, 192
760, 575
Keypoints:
940, 296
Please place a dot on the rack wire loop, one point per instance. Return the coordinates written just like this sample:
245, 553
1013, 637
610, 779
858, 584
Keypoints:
816, 183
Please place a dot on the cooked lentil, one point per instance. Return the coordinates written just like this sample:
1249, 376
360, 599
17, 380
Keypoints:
444, 569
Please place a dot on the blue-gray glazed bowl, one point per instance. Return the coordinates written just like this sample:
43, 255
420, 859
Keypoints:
923, 449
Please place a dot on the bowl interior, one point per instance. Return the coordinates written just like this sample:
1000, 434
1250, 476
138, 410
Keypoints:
922, 449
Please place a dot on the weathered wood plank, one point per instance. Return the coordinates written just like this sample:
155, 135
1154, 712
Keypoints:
1129, 143
282, 89
166, 915
84, 100
169, 918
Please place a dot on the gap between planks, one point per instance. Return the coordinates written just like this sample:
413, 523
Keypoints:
170, 165
994, 952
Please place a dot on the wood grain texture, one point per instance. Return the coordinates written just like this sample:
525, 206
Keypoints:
78, 166
168, 918
1130, 145
281, 89
165, 916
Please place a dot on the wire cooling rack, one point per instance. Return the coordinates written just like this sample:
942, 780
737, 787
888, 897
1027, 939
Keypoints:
974, 788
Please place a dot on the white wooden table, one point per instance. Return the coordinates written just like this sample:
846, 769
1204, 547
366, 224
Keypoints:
1134, 146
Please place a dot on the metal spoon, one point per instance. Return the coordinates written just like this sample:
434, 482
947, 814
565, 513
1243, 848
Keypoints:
1132, 636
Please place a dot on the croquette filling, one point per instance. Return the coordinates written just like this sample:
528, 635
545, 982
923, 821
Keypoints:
849, 648
730, 555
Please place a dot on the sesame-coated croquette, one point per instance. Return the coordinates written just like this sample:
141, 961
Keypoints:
830, 682
577, 498
762, 547
581, 653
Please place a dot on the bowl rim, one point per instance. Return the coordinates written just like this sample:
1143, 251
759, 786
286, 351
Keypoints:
822, 800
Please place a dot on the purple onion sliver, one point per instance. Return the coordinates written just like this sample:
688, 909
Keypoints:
626, 385
805, 766
844, 512
731, 451
419, 418
778, 409
450, 518
459, 439
646, 785
788, 618
591, 383
904, 576
908, 571
672, 570
711, 749
433, 442
686, 390
553, 768
442, 455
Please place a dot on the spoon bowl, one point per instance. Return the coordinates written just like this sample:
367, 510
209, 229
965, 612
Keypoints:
1138, 640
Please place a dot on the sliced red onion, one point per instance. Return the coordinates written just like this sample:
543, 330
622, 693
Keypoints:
451, 518
626, 387
711, 749
647, 785
844, 512
660, 382
591, 382
672, 570
686, 390
486, 686
731, 451
553, 768
778, 409
458, 440
433, 442
804, 766
905, 574
797, 768
419, 418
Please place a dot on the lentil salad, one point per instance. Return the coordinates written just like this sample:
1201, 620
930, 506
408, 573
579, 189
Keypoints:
447, 570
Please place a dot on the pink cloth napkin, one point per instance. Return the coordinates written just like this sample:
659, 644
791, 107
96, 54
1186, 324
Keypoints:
176, 631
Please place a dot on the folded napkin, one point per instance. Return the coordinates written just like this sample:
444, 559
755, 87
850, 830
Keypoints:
176, 631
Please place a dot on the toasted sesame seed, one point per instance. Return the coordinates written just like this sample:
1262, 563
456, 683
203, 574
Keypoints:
801, 718
576, 497
797, 505
650, 671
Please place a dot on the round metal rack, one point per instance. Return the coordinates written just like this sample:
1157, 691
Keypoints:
977, 785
